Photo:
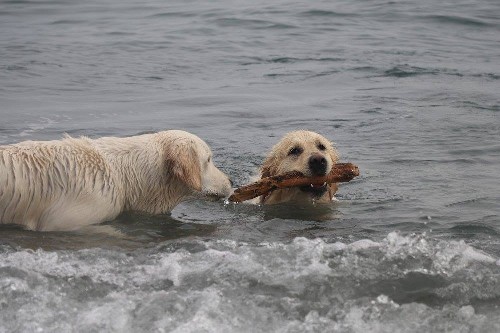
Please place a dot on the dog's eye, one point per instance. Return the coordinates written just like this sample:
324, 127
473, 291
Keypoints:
295, 151
209, 159
321, 146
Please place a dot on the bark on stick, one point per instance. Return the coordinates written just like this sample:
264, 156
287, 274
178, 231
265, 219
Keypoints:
341, 172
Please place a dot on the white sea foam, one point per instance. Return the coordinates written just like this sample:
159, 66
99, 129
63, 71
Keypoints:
224, 286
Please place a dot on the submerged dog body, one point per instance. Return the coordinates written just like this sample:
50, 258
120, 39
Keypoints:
307, 152
74, 182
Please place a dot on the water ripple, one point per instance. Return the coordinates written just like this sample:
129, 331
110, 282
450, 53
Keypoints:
401, 71
325, 13
458, 20
252, 23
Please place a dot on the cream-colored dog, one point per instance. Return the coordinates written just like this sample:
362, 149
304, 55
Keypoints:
307, 152
70, 183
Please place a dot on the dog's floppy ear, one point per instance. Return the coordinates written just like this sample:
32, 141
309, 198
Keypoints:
265, 172
183, 163
334, 155
268, 168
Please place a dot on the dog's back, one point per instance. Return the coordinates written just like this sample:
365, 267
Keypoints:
55, 185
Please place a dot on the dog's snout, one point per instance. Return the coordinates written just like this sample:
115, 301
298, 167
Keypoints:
317, 165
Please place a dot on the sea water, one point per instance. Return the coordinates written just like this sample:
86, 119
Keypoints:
407, 90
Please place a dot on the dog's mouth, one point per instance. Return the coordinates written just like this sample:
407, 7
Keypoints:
214, 195
317, 190
211, 196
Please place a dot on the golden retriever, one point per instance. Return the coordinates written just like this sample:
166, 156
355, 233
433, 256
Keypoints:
307, 152
75, 182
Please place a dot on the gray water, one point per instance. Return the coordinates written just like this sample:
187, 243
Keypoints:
408, 90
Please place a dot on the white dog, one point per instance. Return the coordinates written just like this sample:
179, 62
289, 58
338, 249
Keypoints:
70, 183
307, 152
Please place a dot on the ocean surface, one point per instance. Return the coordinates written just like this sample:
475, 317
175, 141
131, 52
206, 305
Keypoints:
408, 90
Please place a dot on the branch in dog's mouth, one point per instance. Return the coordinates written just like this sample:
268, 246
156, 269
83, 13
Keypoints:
341, 172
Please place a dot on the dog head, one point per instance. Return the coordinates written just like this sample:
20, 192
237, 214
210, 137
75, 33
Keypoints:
189, 160
307, 152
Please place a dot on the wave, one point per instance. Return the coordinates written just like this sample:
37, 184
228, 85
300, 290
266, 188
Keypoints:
223, 285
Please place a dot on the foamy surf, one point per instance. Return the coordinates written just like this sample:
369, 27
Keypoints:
403, 283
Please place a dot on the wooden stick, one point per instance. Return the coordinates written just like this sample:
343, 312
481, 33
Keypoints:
341, 172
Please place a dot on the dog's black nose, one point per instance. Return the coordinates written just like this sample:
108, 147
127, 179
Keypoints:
317, 165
